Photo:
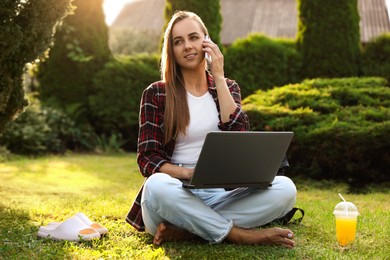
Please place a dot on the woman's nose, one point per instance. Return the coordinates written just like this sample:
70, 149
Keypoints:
187, 45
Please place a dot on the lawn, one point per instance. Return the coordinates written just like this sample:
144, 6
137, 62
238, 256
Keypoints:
37, 191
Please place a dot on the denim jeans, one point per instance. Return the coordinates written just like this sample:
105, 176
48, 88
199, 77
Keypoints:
165, 200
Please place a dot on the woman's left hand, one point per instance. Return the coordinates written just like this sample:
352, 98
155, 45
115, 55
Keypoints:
216, 55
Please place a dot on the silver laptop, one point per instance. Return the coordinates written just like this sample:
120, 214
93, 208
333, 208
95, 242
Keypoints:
231, 159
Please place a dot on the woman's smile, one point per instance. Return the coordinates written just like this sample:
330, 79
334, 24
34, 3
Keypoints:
191, 56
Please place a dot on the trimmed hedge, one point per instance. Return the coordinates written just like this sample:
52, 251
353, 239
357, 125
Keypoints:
80, 51
376, 57
119, 86
258, 62
341, 126
329, 38
210, 14
26, 33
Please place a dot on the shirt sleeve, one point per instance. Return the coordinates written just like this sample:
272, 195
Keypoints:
150, 150
239, 120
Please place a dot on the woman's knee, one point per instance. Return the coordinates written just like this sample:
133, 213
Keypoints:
287, 186
155, 182
158, 186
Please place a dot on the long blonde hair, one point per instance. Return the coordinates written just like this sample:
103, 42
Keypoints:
176, 113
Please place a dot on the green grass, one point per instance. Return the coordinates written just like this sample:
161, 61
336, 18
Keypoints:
35, 192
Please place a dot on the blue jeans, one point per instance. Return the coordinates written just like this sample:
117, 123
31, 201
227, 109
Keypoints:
165, 200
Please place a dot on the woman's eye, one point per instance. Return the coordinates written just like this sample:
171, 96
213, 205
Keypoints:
177, 42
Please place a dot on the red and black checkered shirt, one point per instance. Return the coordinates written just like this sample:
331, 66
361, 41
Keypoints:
152, 153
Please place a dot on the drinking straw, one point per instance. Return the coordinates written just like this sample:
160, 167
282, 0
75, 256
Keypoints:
342, 197
344, 201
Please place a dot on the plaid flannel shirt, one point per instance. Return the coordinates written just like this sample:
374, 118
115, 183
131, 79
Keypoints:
152, 153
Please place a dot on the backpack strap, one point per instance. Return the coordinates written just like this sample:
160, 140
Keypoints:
287, 219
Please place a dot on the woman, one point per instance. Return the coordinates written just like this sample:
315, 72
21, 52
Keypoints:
175, 116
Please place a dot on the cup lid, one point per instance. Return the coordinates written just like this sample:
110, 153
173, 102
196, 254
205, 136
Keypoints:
346, 209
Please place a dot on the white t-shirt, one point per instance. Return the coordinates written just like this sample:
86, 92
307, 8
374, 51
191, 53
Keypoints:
203, 119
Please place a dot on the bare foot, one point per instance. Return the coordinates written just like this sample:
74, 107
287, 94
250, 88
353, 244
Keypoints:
268, 236
168, 232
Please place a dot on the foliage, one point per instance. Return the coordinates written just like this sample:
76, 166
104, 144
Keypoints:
129, 41
5, 154
26, 31
39, 130
329, 38
42, 190
114, 114
210, 14
376, 57
45, 130
119, 88
258, 62
80, 51
341, 126
111, 144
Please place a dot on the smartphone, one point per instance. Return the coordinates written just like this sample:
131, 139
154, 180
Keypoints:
206, 55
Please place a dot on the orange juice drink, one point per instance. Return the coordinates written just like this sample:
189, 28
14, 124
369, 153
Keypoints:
346, 215
345, 230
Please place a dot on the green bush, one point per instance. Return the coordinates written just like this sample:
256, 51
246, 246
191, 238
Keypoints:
39, 130
258, 62
341, 126
329, 38
5, 154
115, 106
45, 130
376, 57
26, 33
80, 51
210, 14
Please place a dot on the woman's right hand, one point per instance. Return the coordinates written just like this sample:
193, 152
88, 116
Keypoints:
188, 172
176, 171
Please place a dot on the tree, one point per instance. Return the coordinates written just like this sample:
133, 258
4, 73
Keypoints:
209, 12
26, 32
329, 38
81, 50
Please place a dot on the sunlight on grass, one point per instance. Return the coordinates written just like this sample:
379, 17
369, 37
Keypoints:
37, 191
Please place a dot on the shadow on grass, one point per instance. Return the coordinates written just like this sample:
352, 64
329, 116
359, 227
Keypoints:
19, 237
225, 250
202, 249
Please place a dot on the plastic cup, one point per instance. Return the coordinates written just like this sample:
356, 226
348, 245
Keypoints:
346, 218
